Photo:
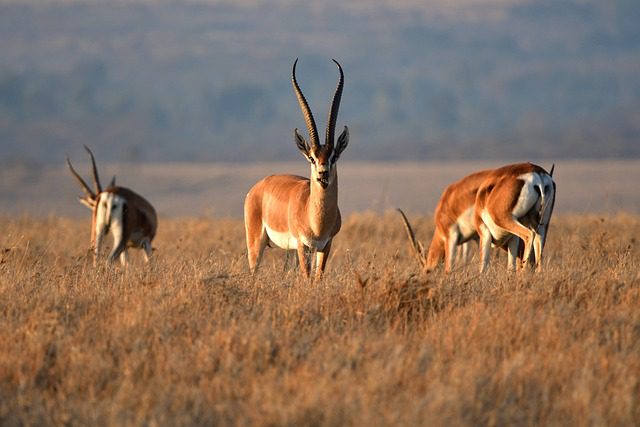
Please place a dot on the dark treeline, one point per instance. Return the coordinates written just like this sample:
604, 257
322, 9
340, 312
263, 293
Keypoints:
202, 81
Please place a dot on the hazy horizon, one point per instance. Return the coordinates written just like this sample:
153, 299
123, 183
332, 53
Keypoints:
218, 190
158, 81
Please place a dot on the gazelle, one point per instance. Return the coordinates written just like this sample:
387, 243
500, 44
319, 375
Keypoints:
294, 212
454, 223
129, 217
513, 204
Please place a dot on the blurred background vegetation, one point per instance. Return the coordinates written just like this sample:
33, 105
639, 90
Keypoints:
146, 81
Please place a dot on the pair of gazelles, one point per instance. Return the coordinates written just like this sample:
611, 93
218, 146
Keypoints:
509, 207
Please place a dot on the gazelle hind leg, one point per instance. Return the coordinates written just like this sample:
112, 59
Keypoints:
124, 258
116, 252
148, 250
538, 245
116, 228
513, 248
98, 246
518, 230
529, 243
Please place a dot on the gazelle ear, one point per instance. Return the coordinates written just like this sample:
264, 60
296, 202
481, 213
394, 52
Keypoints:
343, 141
301, 143
90, 203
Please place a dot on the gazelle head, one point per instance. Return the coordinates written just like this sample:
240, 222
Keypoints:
102, 203
91, 197
322, 158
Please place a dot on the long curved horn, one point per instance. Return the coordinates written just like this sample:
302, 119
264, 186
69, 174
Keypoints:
96, 179
306, 111
83, 184
333, 111
417, 247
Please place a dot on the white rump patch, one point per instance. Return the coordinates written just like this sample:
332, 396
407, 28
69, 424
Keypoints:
528, 194
109, 211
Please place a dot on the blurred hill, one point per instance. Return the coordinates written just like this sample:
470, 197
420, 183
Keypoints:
210, 80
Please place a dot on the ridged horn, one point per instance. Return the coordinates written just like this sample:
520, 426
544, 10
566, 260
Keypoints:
96, 179
306, 111
83, 184
418, 249
335, 105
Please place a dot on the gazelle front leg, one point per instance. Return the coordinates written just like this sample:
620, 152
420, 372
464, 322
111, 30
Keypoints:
256, 243
321, 260
485, 246
304, 259
451, 246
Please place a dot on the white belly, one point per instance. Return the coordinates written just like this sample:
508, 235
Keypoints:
466, 224
282, 240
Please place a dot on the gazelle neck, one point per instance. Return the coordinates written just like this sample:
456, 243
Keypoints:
323, 206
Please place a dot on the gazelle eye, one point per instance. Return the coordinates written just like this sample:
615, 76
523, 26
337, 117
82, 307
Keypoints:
312, 160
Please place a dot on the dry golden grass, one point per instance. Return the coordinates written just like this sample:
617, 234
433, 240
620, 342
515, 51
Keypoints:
192, 339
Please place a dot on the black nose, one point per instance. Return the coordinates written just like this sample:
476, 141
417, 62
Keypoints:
324, 174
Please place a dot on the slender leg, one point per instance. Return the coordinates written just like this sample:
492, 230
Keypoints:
451, 245
256, 251
463, 253
304, 259
518, 230
512, 248
256, 243
99, 238
119, 244
485, 246
538, 245
148, 250
124, 258
321, 260
529, 241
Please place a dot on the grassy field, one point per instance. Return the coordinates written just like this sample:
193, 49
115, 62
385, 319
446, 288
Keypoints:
192, 339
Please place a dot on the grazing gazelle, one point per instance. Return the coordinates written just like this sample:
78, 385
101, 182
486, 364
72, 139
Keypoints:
513, 204
294, 212
454, 223
128, 216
